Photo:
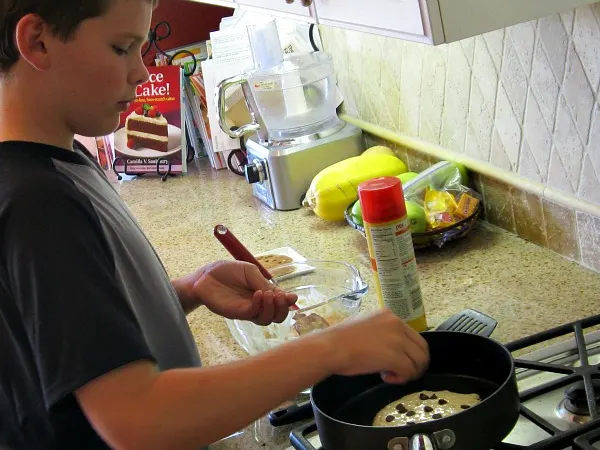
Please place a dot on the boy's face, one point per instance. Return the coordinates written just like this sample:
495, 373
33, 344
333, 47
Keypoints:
94, 74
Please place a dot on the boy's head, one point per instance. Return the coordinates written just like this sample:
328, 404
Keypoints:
80, 59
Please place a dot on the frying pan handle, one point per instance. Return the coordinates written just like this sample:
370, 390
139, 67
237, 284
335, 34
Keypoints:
440, 440
421, 442
292, 414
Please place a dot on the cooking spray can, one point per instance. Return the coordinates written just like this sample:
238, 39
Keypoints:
391, 249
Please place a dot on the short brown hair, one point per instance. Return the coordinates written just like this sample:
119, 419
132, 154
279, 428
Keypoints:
64, 16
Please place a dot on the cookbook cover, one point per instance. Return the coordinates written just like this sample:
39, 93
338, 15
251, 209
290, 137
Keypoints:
152, 130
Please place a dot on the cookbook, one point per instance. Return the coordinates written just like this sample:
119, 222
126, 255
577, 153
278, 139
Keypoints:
151, 133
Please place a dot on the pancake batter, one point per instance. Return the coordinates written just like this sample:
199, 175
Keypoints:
423, 406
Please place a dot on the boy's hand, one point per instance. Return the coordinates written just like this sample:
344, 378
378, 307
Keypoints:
236, 290
381, 343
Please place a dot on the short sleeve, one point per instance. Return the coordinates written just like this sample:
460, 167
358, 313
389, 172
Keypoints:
61, 274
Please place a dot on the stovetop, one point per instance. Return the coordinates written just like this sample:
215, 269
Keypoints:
559, 389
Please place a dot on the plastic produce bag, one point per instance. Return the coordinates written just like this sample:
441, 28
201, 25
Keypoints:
443, 193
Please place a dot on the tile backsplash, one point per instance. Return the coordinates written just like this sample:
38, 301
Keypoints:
523, 98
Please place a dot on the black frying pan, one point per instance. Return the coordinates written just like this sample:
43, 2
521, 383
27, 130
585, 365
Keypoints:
466, 321
344, 407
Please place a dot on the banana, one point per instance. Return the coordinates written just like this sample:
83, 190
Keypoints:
336, 187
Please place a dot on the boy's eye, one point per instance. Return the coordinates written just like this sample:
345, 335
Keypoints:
119, 51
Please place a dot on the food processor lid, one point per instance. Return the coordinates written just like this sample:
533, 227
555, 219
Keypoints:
298, 62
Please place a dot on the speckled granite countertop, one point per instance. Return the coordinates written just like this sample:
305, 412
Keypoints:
525, 287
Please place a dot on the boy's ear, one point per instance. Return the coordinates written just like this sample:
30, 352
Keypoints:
31, 35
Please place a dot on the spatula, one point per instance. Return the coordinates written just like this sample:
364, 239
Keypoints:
304, 323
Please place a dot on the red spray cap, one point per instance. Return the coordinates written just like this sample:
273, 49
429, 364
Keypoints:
381, 200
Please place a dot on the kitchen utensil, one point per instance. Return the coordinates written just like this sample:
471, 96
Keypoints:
295, 131
281, 172
313, 281
466, 321
293, 98
470, 321
233, 245
344, 407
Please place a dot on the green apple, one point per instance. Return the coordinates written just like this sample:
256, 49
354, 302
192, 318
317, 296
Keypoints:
357, 213
416, 215
406, 177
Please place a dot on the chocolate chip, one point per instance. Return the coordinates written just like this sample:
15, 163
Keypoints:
433, 397
401, 408
427, 408
410, 413
441, 401
436, 416
389, 419
410, 423
465, 406
423, 396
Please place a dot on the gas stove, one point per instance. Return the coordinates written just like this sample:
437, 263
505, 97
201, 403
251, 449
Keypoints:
559, 389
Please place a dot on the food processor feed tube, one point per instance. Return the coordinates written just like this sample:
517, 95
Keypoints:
267, 53
391, 250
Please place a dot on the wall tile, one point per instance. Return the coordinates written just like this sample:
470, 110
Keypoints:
528, 166
498, 204
523, 39
594, 144
507, 125
494, 41
568, 144
456, 107
567, 19
432, 97
578, 94
586, 38
484, 72
498, 156
544, 85
410, 89
514, 79
529, 217
589, 188
557, 176
480, 122
538, 137
554, 40
371, 53
588, 228
561, 229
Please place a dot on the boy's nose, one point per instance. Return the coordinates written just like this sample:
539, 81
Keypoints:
139, 75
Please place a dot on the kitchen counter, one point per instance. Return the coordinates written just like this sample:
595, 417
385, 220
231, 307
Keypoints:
525, 287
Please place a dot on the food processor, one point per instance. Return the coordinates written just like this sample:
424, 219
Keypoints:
294, 131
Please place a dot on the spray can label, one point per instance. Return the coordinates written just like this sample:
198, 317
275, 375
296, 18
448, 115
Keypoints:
393, 261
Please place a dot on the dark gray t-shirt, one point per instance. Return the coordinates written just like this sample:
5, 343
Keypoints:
82, 292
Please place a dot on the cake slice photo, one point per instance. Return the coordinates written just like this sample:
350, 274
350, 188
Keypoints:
147, 128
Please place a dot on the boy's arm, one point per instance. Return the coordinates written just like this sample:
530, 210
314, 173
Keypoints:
136, 407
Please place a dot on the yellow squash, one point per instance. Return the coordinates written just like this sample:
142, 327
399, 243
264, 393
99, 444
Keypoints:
336, 187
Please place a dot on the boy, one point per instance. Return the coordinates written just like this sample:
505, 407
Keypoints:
95, 348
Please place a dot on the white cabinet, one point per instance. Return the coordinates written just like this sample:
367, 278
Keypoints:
407, 19
435, 21
280, 8
429, 21
225, 3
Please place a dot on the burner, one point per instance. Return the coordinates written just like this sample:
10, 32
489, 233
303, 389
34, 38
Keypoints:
574, 408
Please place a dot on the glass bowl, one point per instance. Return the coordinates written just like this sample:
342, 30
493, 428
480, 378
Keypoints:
314, 281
